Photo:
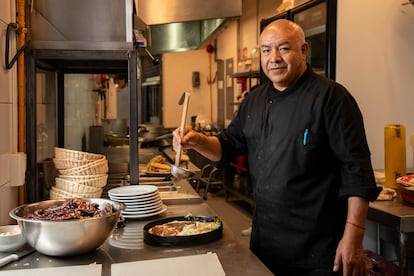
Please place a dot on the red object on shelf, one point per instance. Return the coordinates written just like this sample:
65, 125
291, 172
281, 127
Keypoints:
242, 85
240, 163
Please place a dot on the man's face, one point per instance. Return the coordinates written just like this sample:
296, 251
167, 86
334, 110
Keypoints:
283, 56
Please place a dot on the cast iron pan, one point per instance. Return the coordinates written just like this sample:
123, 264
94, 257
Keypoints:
182, 240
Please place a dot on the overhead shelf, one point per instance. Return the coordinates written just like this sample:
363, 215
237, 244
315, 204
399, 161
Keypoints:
248, 74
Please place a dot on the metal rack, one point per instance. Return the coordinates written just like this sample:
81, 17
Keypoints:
77, 61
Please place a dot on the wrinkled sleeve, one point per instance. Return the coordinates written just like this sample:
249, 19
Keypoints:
345, 127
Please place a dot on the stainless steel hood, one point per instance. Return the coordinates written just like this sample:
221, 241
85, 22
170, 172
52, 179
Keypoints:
109, 24
81, 25
182, 36
184, 24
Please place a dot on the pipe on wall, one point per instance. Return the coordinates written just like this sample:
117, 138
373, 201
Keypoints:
21, 85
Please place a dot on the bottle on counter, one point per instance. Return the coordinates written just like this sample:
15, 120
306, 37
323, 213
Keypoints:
395, 154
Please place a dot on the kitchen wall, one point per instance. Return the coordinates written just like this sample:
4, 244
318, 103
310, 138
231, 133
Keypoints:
81, 108
229, 41
375, 61
8, 110
177, 78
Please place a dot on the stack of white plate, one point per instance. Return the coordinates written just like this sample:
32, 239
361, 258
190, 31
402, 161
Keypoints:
141, 201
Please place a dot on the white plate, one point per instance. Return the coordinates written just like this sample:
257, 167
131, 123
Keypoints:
143, 207
134, 198
138, 201
154, 210
133, 190
163, 209
145, 210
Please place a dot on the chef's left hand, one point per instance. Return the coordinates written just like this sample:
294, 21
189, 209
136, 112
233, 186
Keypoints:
350, 256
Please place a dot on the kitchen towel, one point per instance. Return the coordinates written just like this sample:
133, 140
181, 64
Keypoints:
200, 265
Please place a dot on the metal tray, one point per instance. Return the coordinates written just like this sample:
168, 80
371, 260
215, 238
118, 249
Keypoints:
179, 241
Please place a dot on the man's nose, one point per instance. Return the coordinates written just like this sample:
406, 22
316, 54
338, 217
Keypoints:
275, 55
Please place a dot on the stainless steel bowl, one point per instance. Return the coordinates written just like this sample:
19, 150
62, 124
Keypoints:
69, 237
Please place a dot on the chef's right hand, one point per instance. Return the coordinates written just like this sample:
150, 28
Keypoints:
189, 141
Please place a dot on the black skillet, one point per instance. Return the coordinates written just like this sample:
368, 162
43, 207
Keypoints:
180, 241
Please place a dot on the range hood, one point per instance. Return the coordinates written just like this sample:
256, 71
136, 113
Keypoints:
184, 24
110, 24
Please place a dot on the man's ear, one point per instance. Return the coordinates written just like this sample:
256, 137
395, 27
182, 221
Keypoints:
305, 49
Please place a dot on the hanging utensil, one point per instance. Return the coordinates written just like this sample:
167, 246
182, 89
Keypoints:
176, 170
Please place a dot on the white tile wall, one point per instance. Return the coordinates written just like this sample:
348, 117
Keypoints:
80, 102
8, 111
5, 123
6, 77
9, 198
46, 115
5, 10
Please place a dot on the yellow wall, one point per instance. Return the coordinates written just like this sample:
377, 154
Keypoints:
177, 78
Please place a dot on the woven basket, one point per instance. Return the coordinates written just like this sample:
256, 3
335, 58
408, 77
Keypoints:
96, 167
99, 180
63, 164
73, 187
56, 193
62, 153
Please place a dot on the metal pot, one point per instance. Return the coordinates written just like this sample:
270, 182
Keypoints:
69, 237
118, 127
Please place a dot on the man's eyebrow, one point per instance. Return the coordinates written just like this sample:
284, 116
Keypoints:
283, 43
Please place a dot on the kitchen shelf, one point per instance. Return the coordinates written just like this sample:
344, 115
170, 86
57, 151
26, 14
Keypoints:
248, 74
60, 62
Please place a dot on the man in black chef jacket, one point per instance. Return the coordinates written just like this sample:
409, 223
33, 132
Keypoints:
309, 161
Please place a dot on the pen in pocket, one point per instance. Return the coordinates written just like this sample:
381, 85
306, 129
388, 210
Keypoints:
305, 136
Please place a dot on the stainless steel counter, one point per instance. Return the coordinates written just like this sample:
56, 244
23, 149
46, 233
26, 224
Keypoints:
399, 216
235, 258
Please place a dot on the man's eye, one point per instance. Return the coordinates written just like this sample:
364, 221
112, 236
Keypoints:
265, 51
283, 49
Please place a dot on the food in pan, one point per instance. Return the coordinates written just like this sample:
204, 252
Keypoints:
181, 231
73, 208
184, 228
158, 164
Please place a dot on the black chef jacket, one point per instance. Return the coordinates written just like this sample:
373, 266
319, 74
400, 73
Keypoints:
307, 152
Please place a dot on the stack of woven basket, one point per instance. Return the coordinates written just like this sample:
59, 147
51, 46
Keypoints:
81, 174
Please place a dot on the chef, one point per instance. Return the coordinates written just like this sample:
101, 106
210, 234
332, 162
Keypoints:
309, 161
